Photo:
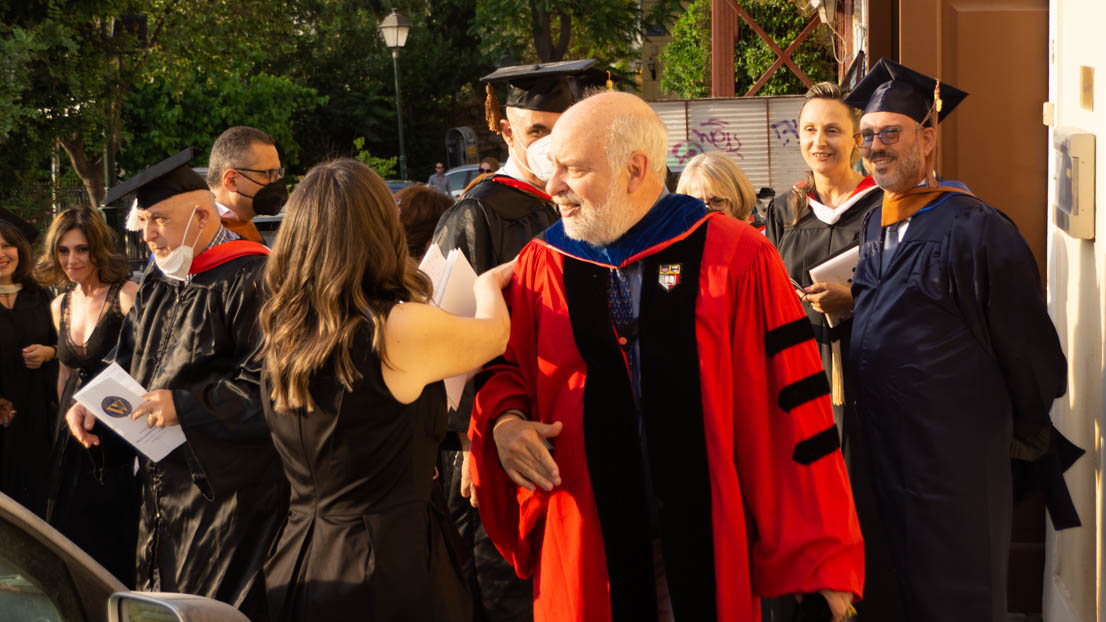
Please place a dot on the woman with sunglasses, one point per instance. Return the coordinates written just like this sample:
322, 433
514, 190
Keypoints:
817, 219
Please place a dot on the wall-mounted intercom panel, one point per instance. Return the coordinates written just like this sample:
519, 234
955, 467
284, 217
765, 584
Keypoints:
1073, 211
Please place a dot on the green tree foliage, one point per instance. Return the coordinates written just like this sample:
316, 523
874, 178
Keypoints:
162, 117
687, 57
77, 62
559, 29
783, 22
385, 167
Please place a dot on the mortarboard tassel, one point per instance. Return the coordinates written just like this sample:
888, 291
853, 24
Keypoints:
610, 83
491, 109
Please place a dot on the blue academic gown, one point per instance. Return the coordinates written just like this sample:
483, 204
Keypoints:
954, 355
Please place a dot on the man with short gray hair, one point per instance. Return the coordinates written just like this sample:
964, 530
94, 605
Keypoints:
658, 442
245, 173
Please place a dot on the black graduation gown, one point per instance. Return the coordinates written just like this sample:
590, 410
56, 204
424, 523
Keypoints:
490, 225
26, 441
953, 353
810, 242
366, 536
210, 508
492, 222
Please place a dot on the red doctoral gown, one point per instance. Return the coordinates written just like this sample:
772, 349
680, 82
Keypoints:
749, 494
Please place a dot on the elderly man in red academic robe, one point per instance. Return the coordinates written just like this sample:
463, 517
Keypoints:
658, 442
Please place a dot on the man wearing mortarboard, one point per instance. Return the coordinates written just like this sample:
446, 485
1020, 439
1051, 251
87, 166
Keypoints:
212, 506
956, 362
490, 224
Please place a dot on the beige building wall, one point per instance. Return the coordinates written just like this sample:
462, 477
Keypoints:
1077, 302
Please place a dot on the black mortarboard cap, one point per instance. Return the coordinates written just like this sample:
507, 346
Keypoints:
891, 87
549, 87
27, 229
170, 177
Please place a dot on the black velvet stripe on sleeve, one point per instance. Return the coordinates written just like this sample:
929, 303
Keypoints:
821, 444
783, 337
802, 391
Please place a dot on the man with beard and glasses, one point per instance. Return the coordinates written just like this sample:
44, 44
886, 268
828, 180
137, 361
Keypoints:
490, 224
956, 362
657, 443
211, 507
245, 174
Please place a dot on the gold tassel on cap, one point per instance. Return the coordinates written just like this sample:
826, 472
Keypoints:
491, 109
610, 83
935, 114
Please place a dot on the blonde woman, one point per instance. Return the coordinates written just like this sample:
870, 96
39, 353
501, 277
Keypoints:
820, 217
718, 181
353, 359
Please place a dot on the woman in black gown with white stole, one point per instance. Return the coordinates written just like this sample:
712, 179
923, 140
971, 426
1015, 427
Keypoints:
351, 385
92, 493
817, 219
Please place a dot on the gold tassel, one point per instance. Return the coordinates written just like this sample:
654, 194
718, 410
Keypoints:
610, 83
935, 112
837, 389
491, 109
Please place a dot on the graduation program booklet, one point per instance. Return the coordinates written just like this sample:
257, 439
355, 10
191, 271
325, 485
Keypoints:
112, 396
838, 268
453, 278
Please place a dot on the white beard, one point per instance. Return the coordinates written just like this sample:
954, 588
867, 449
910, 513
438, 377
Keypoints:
599, 225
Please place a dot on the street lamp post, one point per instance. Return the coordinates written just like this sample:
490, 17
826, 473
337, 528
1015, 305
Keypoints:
394, 30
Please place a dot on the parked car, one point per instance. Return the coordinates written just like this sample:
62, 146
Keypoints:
460, 176
395, 185
46, 578
267, 226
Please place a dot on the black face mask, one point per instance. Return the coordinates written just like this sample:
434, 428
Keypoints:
269, 200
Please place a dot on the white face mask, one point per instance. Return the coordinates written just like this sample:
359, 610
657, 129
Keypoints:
537, 156
179, 261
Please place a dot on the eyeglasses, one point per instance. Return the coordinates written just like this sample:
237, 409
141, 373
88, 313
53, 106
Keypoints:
438, 168
887, 136
717, 203
487, 170
273, 173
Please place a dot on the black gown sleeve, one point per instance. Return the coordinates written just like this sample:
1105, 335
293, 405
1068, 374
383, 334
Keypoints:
997, 287
465, 226
223, 419
773, 227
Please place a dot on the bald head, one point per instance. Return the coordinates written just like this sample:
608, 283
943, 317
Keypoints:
608, 151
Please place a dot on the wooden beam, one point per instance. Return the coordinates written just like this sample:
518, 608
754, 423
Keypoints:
783, 56
723, 32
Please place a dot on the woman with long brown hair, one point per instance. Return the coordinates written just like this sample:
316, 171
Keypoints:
353, 358
92, 495
27, 372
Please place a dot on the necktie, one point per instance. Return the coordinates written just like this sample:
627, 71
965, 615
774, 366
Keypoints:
618, 299
890, 243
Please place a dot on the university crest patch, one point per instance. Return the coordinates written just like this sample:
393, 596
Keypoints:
668, 275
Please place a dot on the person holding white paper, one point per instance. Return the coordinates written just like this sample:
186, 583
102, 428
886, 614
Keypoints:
353, 362
818, 219
821, 216
211, 507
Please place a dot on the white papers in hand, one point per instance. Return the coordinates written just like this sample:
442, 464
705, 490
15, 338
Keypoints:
112, 396
837, 269
453, 278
